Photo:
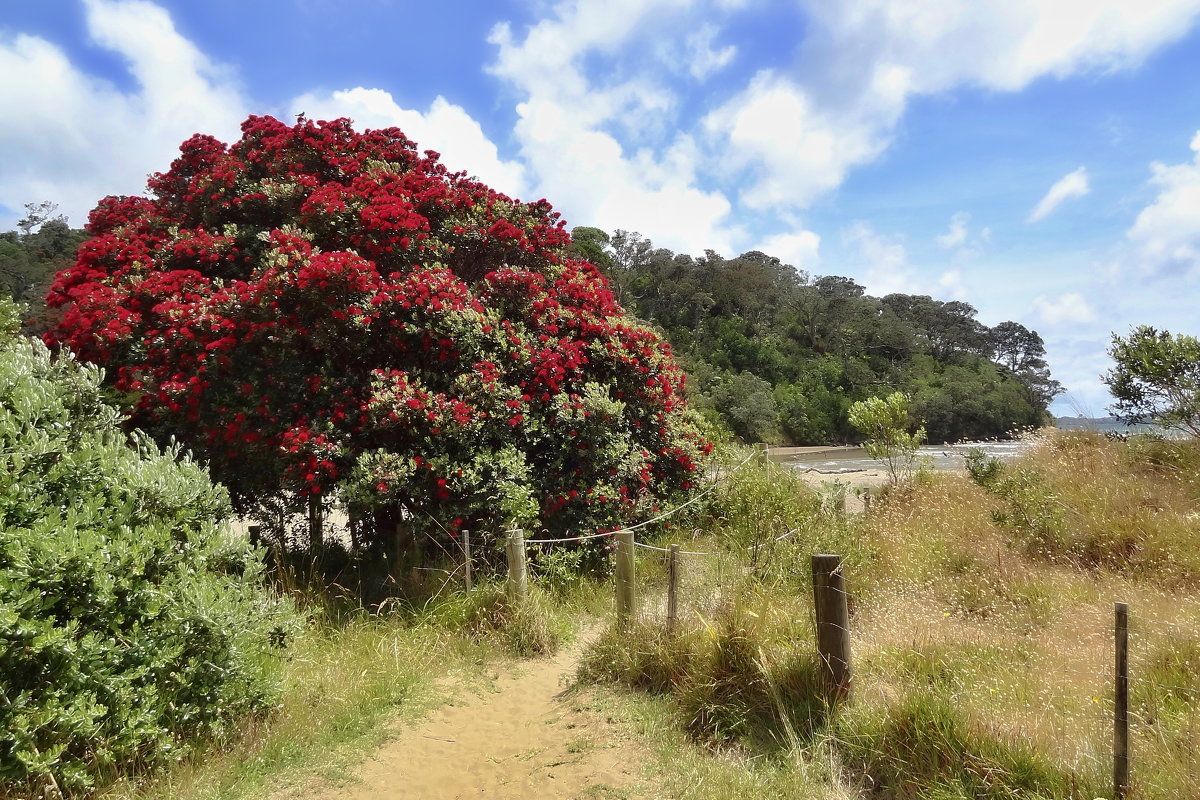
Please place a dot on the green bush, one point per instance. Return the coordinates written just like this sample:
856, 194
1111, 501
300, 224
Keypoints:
129, 620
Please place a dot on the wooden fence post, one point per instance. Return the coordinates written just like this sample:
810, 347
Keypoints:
518, 577
466, 544
672, 588
625, 578
316, 524
833, 622
1121, 703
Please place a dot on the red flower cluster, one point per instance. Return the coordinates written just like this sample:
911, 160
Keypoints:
312, 306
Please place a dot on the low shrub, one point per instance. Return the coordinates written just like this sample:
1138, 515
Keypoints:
130, 622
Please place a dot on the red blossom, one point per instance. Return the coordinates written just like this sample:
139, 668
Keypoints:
308, 295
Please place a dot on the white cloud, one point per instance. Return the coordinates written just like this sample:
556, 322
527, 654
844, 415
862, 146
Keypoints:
886, 269
703, 60
1067, 308
862, 62
1073, 184
568, 126
957, 235
801, 250
444, 127
1166, 234
80, 138
794, 150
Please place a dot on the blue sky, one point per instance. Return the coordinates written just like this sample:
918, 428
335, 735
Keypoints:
1039, 159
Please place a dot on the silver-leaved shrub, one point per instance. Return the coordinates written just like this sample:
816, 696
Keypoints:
130, 621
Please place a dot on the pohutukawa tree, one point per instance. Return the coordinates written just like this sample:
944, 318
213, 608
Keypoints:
314, 309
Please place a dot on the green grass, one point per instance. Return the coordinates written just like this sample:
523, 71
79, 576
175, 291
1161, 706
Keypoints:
349, 676
340, 685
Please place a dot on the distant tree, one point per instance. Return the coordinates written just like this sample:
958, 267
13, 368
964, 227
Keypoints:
1156, 378
42, 244
747, 403
1023, 352
886, 423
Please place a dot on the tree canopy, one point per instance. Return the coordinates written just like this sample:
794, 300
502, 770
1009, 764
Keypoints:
1156, 378
314, 308
778, 354
42, 244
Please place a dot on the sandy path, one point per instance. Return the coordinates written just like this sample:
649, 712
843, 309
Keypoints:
523, 737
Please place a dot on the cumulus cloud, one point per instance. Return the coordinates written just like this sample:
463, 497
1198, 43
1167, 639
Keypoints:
861, 63
1166, 233
444, 127
795, 150
578, 135
1070, 307
1073, 184
81, 138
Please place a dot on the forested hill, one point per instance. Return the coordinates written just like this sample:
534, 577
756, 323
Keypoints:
778, 355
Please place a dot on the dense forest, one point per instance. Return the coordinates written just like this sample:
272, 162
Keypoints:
778, 355
774, 353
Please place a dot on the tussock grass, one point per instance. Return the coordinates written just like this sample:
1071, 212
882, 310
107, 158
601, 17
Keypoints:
533, 626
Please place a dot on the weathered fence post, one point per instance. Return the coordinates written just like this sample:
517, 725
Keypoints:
466, 545
316, 524
672, 588
1121, 703
518, 577
833, 622
625, 579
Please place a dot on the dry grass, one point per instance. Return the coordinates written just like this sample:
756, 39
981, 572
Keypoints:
982, 632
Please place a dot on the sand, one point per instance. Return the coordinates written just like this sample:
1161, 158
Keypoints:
525, 737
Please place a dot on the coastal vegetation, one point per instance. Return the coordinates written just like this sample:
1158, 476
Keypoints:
777, 354
314, 320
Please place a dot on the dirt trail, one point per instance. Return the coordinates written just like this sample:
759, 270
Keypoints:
524, 737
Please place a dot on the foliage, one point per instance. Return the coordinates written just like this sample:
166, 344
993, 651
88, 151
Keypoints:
746, 402
1156, 378
821, 343
42, 245
129, 620
885, 422
313, 308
